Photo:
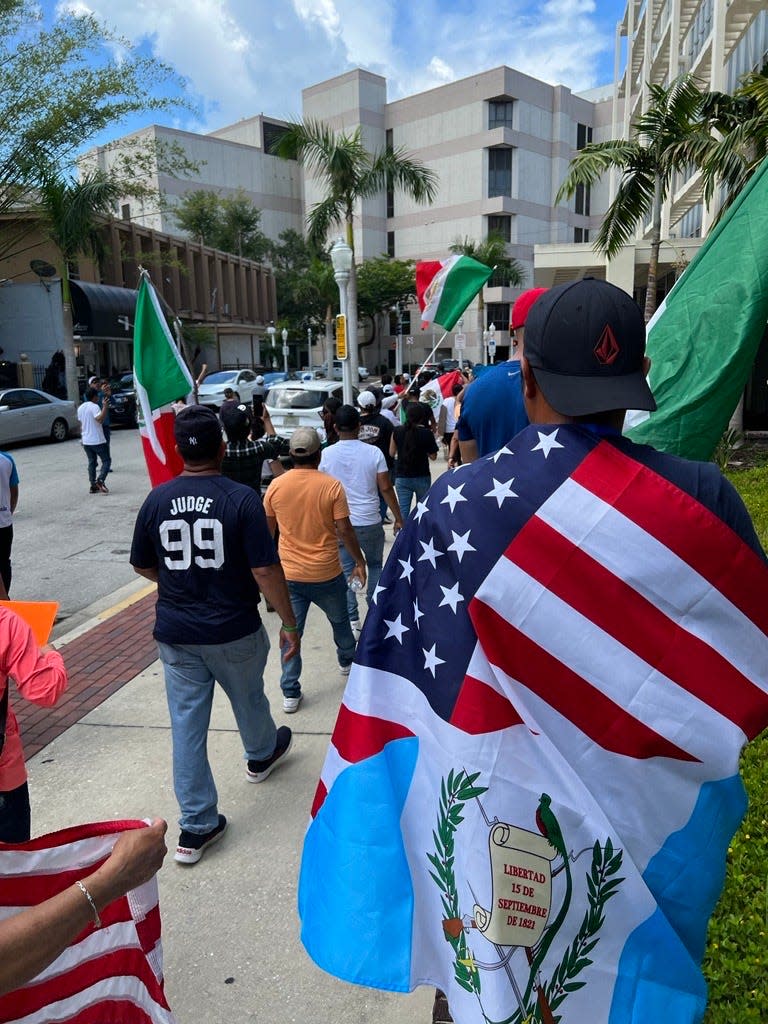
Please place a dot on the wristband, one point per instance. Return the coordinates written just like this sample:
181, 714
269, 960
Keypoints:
84, 891
289, 629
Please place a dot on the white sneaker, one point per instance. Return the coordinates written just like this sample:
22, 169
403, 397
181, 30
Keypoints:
345, 669
291, 704
356, 629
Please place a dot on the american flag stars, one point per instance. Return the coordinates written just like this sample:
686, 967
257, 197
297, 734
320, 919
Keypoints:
546, 443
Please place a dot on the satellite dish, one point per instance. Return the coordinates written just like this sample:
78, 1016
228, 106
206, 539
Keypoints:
42, 269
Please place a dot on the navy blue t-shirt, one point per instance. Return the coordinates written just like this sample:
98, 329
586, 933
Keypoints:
203, 535
492, 410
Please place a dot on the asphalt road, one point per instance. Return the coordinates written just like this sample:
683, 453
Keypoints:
69, 545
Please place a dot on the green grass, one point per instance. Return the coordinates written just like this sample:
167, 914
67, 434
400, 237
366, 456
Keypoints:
736, 964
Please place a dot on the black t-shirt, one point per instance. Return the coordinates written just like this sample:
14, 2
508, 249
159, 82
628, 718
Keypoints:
203, 535
377, 429
413, 451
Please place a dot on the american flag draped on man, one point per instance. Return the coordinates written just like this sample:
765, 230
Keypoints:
533, 778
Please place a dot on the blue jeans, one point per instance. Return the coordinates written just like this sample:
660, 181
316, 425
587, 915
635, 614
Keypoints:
371, 541
331, 597
408, 486
92, 452
191, 670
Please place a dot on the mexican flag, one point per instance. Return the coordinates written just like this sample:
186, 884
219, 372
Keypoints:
160, 376
445, 288
703, 339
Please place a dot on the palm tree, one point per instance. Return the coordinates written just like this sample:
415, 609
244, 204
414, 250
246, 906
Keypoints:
70, 213
493, 253
664, 139
736, 140
348, 173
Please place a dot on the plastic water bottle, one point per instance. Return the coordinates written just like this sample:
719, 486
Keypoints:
355, 585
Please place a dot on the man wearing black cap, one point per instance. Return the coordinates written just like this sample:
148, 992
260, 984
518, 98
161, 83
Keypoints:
588, 630
244, 459
204, 540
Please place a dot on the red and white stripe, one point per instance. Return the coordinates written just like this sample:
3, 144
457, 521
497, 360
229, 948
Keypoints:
111, 975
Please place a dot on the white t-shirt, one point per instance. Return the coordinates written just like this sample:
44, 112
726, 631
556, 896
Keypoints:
91, 431
356, 465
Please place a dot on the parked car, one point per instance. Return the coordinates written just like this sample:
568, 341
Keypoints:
122, 402
211, 391
26, 413
277, 377
297, 403
337, 372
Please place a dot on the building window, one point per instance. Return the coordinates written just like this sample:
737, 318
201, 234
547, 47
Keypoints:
391, 243
500, 172
581, 234
500, 113
125, 211
497, 313
390, 189
500, 225
272, 135
689, 226
582, 199
583, 135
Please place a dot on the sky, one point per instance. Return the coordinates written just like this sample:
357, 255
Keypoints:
245, 57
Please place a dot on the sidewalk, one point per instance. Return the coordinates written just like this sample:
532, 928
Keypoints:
230, 925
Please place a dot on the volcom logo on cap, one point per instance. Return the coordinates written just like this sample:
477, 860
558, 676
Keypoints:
607, 348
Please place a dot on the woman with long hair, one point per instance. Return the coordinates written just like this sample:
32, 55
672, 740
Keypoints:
413, 445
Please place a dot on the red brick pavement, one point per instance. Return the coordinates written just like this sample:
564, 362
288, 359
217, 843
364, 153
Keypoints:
99, 662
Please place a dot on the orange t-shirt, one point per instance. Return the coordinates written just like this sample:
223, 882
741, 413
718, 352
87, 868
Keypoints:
306, 505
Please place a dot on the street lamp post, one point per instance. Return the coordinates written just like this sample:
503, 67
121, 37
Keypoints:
284, 336
399, 343
486, 336
341, 258
491, 343
271, 333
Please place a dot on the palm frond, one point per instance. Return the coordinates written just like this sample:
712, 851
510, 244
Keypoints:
591, 163
634, 200
323, 216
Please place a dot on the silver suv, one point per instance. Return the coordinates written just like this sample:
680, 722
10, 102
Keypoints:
298, 403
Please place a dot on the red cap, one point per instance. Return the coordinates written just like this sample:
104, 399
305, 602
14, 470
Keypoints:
522, 306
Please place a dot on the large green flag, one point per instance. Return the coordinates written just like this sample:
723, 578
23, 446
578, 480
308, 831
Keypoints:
703, 339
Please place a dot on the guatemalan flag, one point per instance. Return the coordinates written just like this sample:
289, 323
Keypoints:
533, 778
109, 975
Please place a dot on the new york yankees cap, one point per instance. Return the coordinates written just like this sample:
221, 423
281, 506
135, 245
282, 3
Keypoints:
197, 431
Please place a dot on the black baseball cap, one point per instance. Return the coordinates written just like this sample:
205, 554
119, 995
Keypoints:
197, 431
235, 418
585, 342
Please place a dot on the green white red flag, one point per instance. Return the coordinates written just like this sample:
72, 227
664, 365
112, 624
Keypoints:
160, 377
445, 288
703, 339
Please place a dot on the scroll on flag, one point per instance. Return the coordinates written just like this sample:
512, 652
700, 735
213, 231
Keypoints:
445, 288
703, 339
533, 778
110, 975
161, 376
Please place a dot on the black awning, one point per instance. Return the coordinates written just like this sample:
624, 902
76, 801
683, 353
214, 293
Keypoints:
103, 310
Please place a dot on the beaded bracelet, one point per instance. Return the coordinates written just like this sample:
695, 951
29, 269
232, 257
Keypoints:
84, 891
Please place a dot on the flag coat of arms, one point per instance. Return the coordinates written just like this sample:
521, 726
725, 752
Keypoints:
109, 975
161, 376
533, 778
445, 288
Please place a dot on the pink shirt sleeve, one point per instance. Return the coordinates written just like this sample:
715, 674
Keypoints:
40, 678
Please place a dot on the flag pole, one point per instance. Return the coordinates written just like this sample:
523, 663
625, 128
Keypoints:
436, 346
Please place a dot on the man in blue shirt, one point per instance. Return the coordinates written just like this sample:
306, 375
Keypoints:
492, 409
204, 539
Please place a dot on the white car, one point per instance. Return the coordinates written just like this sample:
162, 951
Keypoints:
337, 372
211, 391
26, 413
298, 403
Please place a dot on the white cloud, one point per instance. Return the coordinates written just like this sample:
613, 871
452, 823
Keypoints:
242, 57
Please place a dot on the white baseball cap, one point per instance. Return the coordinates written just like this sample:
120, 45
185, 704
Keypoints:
366, 400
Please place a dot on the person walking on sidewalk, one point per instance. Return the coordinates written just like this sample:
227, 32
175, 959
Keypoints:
204, 539
364, 474
9, 496
311, 510
92, 416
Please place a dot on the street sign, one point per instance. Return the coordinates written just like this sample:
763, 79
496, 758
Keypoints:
491, 346
286, 350
409, 340
341, 336
460, 341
